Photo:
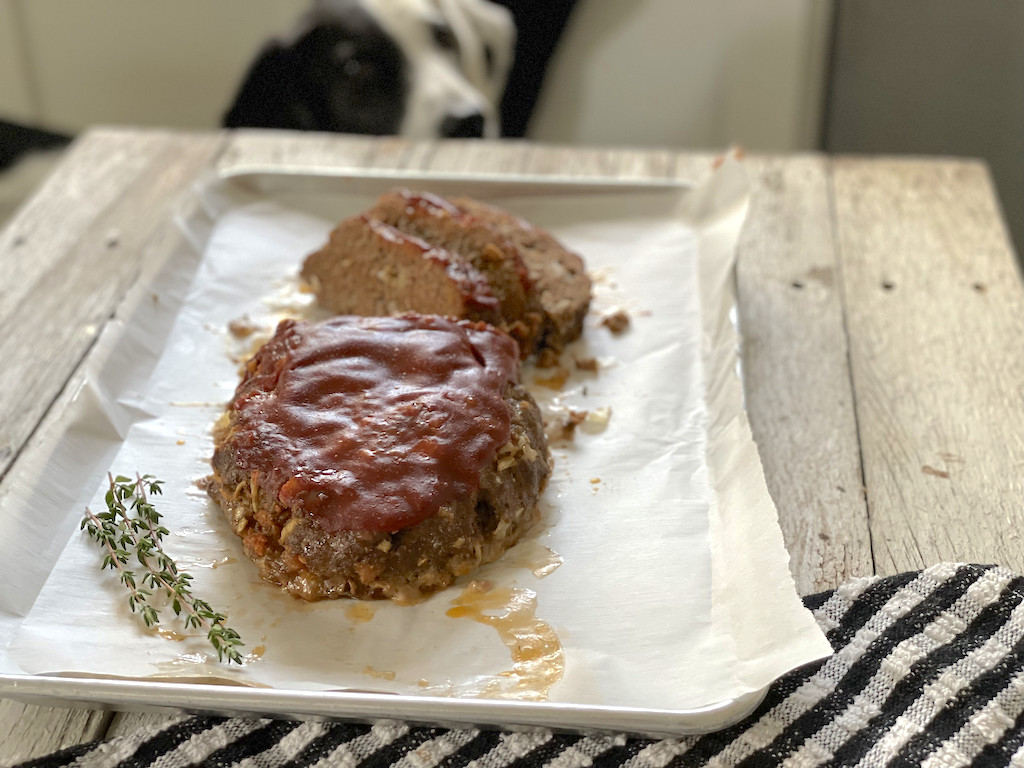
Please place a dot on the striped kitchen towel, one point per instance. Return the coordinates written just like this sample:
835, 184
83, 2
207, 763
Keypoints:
928, 670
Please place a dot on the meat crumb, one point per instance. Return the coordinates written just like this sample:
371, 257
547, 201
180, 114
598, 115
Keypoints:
565, 427
242, 327
380, 674
586, 364
547, 358
555, 381
617, 321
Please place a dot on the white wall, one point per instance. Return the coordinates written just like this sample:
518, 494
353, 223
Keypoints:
630, 72
688, 74
140, 62
15, 93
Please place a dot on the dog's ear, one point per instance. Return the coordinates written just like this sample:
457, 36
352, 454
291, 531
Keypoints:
487, 36
268, 96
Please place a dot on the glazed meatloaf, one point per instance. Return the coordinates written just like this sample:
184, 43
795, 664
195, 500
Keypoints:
541, 290
379, 457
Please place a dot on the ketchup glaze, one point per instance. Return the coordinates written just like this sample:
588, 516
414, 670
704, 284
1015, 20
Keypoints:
374, 423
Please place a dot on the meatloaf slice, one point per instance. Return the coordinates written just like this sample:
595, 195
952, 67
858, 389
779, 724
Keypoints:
379, 457
369, 268
558, 275
438, 222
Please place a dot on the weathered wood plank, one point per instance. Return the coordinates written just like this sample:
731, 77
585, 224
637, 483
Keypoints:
248, 149
525, 158
796, 371
70, 255
935, 312
263, 149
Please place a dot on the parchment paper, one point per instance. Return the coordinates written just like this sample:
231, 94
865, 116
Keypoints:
671, 589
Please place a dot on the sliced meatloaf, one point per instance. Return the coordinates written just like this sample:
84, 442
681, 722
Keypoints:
370, 268
379, 457
541, 289
438, 222
558, 275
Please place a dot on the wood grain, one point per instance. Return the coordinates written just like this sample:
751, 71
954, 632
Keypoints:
69, 257
796, 371
261, 149
935, 312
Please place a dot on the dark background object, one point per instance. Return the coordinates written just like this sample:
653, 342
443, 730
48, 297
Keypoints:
539, 26
933, 77
17, 140
342, 74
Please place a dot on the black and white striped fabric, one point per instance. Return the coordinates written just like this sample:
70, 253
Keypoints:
928, 670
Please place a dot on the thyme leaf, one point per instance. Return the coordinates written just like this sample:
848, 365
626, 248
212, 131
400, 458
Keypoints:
130, 529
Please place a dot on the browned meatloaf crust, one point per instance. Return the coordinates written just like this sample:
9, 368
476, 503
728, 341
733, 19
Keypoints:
559, 278
438, 222
379, 457
541, 289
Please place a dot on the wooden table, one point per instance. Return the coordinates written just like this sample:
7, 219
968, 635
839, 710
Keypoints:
880, 302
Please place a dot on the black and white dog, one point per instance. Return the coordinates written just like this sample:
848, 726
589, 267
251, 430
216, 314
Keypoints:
416, 68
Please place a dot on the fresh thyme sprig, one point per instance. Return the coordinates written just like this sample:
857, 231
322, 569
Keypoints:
131, 525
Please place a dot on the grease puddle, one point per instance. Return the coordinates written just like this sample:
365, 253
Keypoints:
531, 554
538, 661
360, 613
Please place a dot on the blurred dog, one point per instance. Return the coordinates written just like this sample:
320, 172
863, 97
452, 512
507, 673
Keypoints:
416, 68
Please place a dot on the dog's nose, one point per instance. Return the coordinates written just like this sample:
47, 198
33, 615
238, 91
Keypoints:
469, 126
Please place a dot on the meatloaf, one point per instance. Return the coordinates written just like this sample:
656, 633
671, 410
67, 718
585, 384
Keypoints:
370, 268
379, 457
558, 276
541, 290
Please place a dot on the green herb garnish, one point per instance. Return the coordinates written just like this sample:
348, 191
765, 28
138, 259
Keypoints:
131, 526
